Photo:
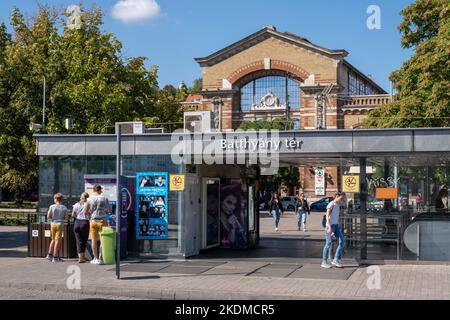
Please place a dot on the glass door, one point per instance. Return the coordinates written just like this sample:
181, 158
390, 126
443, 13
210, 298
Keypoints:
211, 212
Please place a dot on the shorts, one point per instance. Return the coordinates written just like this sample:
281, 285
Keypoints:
56, 230
95, 227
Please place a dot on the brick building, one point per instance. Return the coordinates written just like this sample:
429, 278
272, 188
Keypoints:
272, 74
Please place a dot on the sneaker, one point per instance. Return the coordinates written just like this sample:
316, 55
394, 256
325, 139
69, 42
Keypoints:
94, 261
337, 264
276, 229
304, 229
325, 265
49, 257
100, 262
57, 259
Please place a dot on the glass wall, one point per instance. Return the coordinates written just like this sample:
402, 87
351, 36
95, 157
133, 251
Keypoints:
285, 89
66, 175
402, 193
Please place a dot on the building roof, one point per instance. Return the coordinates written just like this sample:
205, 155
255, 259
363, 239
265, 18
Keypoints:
261, 35
194, 98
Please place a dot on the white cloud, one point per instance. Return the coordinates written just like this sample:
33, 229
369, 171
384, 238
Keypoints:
136, 10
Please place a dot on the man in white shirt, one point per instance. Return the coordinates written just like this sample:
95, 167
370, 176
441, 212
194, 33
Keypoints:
332, 229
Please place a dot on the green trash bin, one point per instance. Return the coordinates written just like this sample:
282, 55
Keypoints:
108, 240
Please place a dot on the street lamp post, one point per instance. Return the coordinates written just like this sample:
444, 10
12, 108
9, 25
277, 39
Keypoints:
43, 106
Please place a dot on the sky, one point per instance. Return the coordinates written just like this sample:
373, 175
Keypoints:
171, 33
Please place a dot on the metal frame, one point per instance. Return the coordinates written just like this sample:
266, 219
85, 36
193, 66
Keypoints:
205, 215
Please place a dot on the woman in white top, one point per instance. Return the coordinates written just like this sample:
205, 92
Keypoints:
81, 215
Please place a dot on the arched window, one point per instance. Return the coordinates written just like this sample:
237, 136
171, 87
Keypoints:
270, 91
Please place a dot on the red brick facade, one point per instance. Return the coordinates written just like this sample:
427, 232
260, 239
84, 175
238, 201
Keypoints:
269, 52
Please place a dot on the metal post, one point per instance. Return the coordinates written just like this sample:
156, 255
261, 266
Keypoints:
43, 107
363, 208
118, 175
418, 241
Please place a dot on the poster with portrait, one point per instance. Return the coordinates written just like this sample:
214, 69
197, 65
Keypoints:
151, 206
233, 219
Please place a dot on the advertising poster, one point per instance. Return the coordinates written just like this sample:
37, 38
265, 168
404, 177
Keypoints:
233, 227
151, 205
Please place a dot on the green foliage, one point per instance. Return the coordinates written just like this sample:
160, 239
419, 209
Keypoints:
87, 79
423, 82
289, 176
197, 86
278, 123
167, 112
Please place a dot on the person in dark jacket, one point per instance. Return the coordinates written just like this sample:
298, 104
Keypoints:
276, 209
302, 210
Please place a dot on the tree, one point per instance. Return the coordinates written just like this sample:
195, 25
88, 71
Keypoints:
278, 123
171, 89
87, 79
167, 112
423, 82
288, 176
197, 86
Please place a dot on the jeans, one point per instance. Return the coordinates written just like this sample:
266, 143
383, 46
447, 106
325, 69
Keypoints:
328, 241
301, 219
276, 217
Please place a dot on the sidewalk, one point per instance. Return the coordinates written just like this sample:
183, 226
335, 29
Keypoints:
230, 280
215, 277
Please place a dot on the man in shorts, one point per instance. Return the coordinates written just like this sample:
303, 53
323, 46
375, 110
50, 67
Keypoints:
58, 213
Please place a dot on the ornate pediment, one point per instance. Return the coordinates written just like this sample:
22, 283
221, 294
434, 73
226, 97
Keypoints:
269, 102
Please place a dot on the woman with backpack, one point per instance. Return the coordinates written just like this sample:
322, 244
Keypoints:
301, 210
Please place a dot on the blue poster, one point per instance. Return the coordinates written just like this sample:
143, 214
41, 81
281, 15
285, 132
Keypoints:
151, 205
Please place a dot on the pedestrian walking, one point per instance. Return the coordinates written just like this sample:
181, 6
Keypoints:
276, 209
332, 230
302, 210
81, 214
58, 214
419, 202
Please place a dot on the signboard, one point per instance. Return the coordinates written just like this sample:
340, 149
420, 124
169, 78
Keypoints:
47, 234
107, 182
177, 182
151, 205
35, 233
350, 184
386, 193
320, 182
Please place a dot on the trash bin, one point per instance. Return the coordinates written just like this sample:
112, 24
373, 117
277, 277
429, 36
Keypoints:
108, 240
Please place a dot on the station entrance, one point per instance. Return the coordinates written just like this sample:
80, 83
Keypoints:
397, 210
376, 226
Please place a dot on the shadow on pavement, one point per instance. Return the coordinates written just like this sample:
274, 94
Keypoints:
13, 239
13, 254
140, 278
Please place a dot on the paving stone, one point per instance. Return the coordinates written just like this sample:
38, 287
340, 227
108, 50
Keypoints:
317, 272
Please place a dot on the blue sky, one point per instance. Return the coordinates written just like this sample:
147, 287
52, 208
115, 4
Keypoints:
173, 32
